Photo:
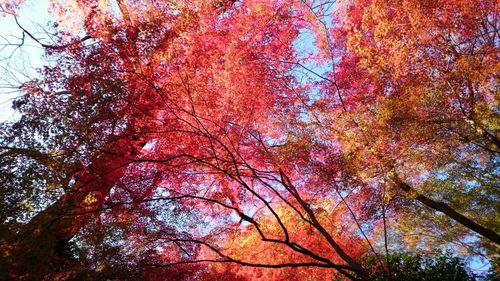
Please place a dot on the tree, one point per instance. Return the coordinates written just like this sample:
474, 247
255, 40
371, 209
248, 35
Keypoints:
431, 67
174, 138
406, 266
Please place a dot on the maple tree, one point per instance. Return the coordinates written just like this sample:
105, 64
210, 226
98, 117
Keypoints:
434, 78
188, 140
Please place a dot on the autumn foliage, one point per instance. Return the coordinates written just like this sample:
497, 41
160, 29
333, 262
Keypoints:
252, 139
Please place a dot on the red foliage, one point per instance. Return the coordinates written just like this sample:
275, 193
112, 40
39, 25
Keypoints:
194, 140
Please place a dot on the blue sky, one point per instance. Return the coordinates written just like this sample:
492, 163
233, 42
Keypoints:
17, 64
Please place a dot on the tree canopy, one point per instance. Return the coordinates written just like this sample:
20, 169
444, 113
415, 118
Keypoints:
254, 139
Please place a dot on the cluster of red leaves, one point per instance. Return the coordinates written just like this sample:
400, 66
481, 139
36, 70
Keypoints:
194, 139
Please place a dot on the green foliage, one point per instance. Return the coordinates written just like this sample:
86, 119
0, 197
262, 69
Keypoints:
418, 267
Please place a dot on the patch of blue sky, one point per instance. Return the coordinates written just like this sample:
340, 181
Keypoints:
20, 55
